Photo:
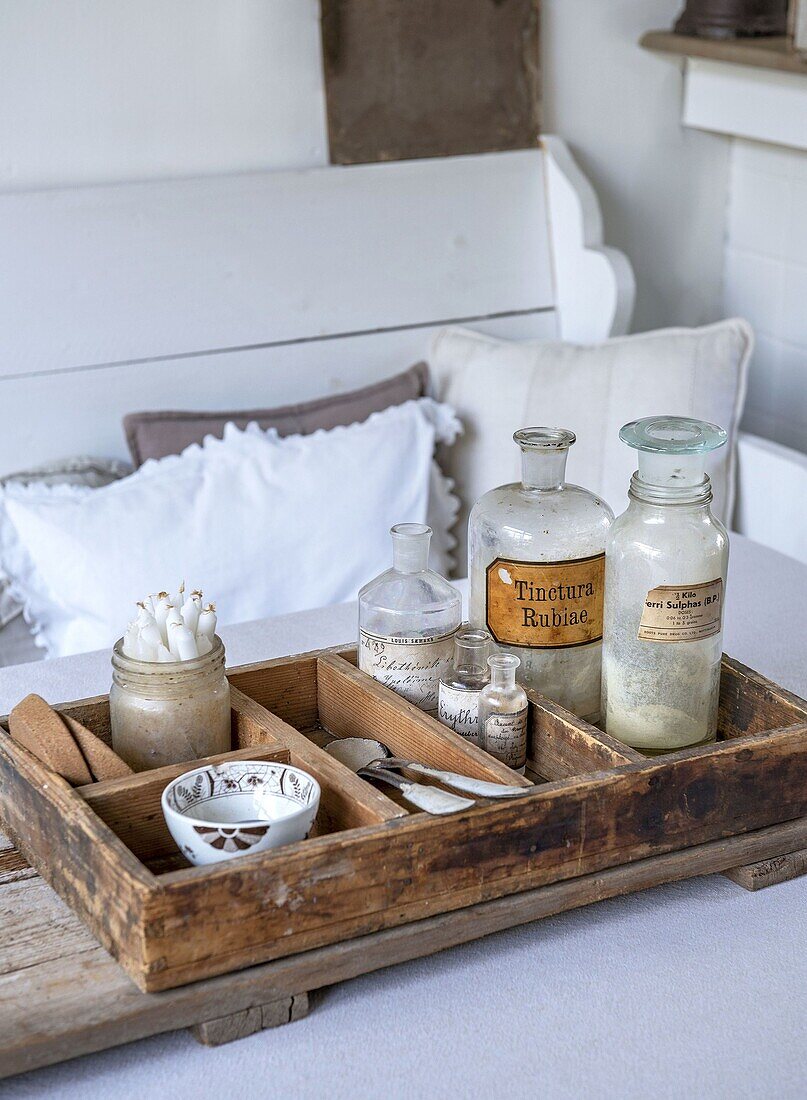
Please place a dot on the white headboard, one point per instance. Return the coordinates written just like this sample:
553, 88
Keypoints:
255, 290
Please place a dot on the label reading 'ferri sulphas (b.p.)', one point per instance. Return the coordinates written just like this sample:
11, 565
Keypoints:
682, 613
546, 605
412, 667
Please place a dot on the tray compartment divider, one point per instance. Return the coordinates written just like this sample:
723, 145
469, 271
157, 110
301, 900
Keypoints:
352, 704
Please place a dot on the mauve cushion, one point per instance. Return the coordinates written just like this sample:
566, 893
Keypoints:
156, 434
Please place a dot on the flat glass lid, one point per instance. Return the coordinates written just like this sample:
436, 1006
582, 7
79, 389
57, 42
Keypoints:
673, 435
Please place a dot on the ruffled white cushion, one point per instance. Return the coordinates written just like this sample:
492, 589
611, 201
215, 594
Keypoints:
266, 525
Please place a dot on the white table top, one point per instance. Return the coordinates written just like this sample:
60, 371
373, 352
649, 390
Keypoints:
696, 988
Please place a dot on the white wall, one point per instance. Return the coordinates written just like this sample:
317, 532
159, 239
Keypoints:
663, 189
766, 281
96, 91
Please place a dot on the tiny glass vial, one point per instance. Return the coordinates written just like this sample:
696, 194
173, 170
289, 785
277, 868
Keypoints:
666, 562
536, 553
503, 707
168, 713
463, 681
408, 616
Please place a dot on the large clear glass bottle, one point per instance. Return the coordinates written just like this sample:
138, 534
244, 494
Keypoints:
536, 552
407, 620
458, 704
503, 709
666, 562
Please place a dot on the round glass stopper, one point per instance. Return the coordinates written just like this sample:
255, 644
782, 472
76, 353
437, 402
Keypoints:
673, 435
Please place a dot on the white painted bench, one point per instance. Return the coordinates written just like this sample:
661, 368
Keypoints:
266, 288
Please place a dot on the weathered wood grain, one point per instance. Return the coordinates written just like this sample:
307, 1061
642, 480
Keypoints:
369, 879
352, 704
347, 802
131, 806
46, 1017
225, 1029
561, 745
750, 703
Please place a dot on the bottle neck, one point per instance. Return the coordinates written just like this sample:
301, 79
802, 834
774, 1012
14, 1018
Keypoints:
410, 547
503, 670
696, 496
543, 468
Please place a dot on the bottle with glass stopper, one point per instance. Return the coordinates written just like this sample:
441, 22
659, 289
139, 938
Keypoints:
503, 707
458, 701
408, 616
536, 553
666, 562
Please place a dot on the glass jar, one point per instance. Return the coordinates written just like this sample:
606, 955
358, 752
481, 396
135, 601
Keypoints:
167, 713
666, 562
458, 701
537, 563
503, 707
408, 616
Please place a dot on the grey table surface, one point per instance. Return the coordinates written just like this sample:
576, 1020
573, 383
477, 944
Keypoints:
693, 989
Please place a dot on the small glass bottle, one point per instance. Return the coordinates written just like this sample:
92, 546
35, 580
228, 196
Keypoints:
536, 552
463, 681
503, 707
407, 620
168, 713
666, 563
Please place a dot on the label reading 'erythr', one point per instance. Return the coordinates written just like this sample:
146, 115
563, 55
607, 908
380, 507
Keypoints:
548, 604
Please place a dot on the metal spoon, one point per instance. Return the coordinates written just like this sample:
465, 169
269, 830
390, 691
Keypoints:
430, 799
365, 753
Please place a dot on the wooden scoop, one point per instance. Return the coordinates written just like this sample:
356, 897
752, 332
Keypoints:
38, 728
102, 761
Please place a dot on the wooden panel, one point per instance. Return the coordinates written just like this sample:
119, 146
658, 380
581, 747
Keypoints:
49, 957
562, 745
750, 703
430, 78
131, 806
412, 868
36, 429
351, 704
111, 274
760, 104
347, 802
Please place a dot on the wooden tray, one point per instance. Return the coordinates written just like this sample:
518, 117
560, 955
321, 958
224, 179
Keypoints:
374, 866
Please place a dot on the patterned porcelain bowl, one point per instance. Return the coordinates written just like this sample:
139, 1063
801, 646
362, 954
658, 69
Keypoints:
220, 811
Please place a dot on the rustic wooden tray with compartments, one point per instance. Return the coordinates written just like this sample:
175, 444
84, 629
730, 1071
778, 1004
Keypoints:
376, 883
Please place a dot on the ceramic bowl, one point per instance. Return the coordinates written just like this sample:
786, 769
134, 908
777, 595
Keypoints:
224, 810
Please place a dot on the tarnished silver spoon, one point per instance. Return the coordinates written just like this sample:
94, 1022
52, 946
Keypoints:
367, 754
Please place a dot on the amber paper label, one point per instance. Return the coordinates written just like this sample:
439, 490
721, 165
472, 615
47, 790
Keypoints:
412, 667
546, 605
682, 613
506, 738
460, 710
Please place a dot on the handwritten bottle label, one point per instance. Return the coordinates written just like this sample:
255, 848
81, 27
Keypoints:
412, 667
682, 613
546, 605
506, 738
459, 709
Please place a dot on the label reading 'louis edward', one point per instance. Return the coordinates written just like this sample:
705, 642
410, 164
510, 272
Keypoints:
506, 738
548, 604
412, 667
459, 709
682, 613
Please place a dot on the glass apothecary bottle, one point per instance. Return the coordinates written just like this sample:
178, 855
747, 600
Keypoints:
458, 701
536, 552
167, 713
407, 620
666, 562
503, 708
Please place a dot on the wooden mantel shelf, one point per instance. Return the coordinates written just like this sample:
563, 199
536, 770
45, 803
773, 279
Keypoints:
759, 53
750, 88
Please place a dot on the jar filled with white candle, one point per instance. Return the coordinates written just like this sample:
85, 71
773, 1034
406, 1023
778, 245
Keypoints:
170, 698
665, 574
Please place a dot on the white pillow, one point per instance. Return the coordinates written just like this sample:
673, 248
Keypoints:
266, 525
498, 386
